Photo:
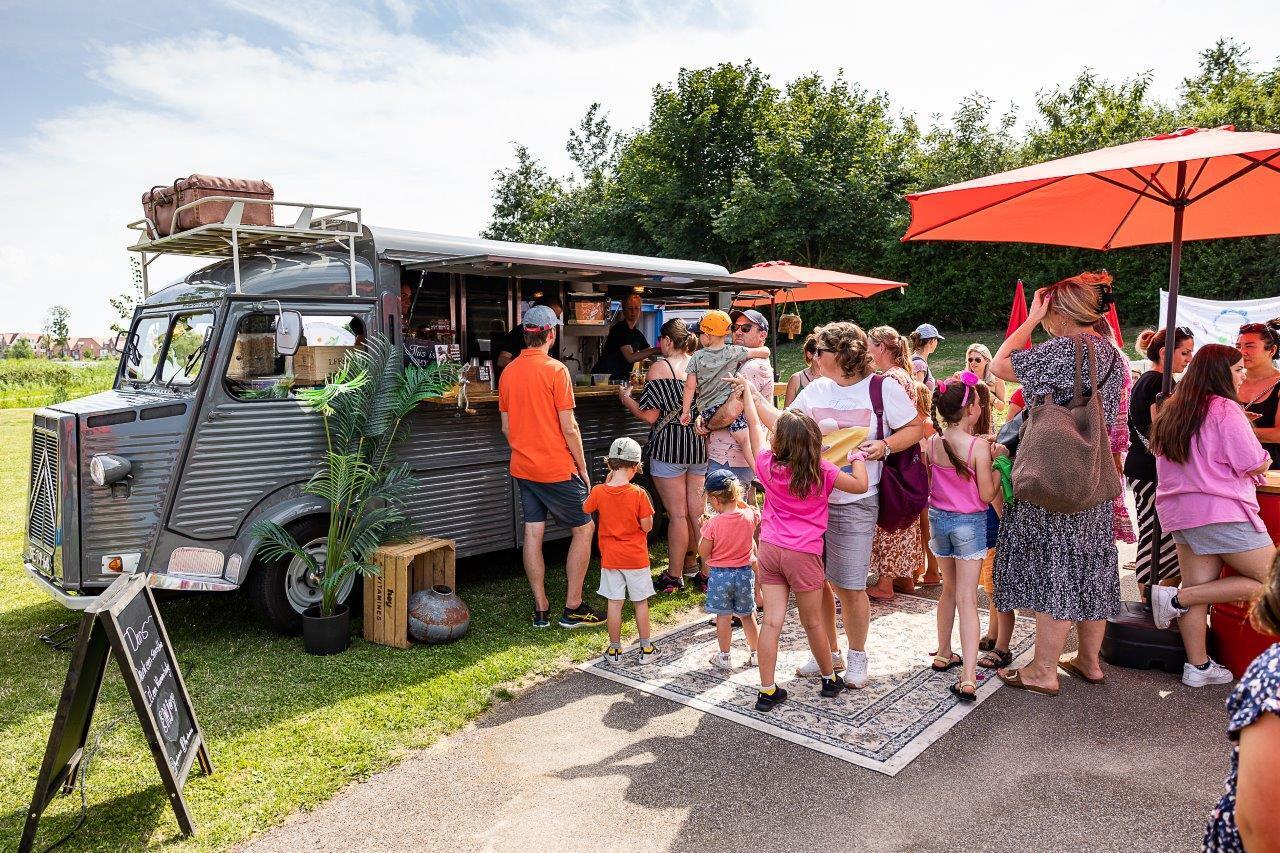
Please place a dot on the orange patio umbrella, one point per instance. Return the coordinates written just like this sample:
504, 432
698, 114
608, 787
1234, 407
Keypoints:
1018, 312
812, 283
1193, 184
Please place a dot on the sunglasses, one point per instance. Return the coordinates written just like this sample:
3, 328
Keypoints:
821, 350
1252, 328
975, 358
744, 327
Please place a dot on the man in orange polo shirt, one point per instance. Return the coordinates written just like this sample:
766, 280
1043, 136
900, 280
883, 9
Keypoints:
535, 398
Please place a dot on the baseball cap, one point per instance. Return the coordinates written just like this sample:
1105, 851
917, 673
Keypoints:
540, 317
719, 480
752, 315
625, 449
928, 331
715, 323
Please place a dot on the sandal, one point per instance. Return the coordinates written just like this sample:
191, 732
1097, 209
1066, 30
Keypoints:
666, 583
941, 664
986, 644
996, 659
1073, 669
958, 691
1013, 678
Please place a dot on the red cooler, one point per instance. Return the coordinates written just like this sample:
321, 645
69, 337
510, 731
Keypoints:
1233, 640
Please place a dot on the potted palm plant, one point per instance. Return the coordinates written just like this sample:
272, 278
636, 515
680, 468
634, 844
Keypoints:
363, 406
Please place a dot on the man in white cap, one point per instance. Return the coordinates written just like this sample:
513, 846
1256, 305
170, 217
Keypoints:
535, 399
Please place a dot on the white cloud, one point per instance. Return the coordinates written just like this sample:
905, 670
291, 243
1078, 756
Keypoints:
353, 110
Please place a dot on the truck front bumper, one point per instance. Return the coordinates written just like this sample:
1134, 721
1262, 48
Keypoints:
69, 600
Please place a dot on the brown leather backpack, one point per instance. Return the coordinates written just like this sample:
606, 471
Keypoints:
1064, 459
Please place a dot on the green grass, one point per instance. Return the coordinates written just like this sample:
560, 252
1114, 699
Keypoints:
32, 382
285, 730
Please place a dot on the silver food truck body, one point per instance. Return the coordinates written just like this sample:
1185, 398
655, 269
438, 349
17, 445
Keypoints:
201, 435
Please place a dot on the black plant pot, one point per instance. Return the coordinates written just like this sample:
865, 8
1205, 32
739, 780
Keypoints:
326, 635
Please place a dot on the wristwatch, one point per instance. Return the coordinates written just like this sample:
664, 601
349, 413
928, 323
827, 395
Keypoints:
887, 448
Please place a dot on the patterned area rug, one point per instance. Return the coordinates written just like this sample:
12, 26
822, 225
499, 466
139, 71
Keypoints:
904, 708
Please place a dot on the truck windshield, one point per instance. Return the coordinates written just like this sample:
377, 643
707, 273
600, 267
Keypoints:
169, 349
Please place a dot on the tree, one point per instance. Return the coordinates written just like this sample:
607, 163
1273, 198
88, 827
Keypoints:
131, 298
524, 200
679, 172
21, 348
57, 330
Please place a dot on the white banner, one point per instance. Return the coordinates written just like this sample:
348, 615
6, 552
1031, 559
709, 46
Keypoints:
1213, 322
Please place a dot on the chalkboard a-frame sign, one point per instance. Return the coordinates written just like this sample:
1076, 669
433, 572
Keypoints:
124, 621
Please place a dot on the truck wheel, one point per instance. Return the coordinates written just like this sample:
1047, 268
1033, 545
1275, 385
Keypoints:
281, 590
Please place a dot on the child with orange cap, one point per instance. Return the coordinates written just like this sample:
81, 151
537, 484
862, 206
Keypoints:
707, 385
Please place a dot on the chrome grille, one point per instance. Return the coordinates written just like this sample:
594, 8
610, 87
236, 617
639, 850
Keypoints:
42, 506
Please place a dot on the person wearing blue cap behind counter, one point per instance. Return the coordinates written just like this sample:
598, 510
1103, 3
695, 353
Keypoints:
924, 340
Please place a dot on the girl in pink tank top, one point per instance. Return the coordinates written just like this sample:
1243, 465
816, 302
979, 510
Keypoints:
961, 485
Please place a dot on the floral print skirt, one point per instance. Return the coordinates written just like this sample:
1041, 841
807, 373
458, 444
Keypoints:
898, 553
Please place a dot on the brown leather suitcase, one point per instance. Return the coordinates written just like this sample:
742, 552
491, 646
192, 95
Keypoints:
159, 202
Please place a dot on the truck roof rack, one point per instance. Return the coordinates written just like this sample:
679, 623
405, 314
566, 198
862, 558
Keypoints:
313, 225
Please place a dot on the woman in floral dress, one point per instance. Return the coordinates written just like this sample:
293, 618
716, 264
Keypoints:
1064, 567
896, 555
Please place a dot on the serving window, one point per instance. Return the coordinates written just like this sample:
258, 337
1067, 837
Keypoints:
257, 371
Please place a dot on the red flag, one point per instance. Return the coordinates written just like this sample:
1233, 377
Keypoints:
1018, 313
1113, 319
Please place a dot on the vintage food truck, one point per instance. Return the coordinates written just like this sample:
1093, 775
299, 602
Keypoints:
201, 436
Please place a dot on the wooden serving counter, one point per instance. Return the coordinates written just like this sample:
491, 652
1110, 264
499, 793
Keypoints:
1273, 484
484, 395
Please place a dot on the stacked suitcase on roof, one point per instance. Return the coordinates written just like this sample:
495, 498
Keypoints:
160, 202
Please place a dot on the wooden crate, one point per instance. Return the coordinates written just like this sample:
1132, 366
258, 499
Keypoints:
405, 569
314, 365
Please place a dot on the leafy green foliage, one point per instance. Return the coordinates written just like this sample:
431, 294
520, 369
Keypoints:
364, 406
734, 170
21, 348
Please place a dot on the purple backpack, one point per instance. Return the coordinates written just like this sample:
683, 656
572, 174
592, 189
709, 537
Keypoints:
904, 482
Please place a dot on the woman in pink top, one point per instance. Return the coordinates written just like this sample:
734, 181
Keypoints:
1208, 462
797, 481
961, 486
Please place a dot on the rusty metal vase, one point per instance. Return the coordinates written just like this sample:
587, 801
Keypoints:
437, 615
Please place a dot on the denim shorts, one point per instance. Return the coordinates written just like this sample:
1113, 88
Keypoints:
731, 590
736, 425
563, 500
744, 475
658, 468
1222, 537
962, 535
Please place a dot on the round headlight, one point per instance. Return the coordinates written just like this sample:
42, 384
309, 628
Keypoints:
107, 468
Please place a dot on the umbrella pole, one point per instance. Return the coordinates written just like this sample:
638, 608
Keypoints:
773, 329
1175, 277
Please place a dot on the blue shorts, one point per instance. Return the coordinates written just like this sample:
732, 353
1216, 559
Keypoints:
962, 535
563, 500
731, 591
993, 527
744, 475
738, 424
658, 468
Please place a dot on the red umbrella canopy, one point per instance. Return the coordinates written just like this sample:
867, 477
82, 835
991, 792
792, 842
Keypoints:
817, 283
1225, 182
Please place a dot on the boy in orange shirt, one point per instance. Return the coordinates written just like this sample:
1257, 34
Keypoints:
626, 517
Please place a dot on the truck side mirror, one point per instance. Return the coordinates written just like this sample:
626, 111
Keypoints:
288, 332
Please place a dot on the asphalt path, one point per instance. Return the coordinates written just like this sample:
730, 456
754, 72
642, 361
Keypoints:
581, 763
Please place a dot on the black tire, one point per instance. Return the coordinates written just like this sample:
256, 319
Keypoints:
268, 587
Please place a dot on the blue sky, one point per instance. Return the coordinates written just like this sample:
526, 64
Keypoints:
406, 107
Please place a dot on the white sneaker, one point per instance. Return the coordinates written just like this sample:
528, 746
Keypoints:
1162, 609
809, 669
648, 654
1215, 674
612, 657
753, 659
722, 660
856, 674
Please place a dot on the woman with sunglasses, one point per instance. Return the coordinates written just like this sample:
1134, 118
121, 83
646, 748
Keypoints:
978, 359
1259, 343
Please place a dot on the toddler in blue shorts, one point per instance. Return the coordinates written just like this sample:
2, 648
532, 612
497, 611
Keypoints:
726, 545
